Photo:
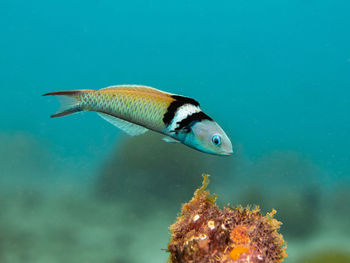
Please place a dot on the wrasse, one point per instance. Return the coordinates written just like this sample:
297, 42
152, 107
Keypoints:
135, 109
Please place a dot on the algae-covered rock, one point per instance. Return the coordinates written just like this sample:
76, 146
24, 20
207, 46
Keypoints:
340, 201
327, 256
299, 212
21, 155
288, 182
206, 234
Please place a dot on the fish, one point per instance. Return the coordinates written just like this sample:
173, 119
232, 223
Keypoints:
136, 109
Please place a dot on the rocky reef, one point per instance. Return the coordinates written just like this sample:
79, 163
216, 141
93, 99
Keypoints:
327, 256
162, 173
204, 233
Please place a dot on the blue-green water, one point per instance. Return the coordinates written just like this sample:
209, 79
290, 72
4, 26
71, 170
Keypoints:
274, 74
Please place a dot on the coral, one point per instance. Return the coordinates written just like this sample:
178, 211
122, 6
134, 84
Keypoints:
204, 233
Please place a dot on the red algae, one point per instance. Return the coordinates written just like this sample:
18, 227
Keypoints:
204, 233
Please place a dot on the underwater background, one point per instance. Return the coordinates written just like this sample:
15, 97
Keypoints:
274, 74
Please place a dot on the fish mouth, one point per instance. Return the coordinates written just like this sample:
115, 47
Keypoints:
227, 153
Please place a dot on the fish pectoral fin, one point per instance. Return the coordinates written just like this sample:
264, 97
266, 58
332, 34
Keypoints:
170, 140
128, 127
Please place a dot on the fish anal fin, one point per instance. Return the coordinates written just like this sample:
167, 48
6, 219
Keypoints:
128, 127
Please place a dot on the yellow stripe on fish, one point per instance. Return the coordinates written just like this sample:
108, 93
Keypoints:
142, 106
137, 108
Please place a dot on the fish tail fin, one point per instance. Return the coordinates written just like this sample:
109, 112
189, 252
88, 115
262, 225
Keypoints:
70, 102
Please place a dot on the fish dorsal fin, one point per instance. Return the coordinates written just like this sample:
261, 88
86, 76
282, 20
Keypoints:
141, 88
128, 127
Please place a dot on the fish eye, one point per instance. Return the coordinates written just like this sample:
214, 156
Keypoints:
216, 139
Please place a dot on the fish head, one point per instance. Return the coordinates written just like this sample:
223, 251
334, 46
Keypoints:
207, 136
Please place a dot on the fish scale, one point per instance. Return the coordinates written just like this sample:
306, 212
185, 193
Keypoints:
143, 108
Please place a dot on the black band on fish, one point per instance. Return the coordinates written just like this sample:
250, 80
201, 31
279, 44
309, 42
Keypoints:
177, 103
185, 124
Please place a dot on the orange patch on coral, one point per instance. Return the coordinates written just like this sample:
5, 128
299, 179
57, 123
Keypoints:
239, 235
238, 251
